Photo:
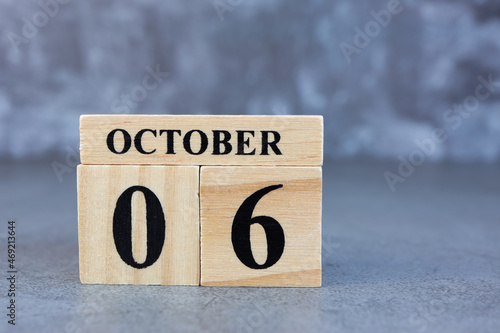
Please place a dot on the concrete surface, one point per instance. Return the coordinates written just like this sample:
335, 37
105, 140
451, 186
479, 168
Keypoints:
423, 259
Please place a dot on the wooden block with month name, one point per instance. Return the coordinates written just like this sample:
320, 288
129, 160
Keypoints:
201, 140
138, 224
261, 226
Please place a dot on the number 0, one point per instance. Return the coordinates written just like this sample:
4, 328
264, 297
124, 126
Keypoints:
241, 232
122, 227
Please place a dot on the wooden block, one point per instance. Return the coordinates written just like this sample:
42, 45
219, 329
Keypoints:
138, 225
261, 226
202, 140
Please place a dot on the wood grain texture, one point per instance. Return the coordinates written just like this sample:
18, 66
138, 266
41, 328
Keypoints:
296, 206
300, 140
177, 189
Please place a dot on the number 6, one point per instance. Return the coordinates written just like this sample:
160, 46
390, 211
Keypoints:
240, 234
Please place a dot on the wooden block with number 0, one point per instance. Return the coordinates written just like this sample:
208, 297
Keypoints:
139, 224
261, 226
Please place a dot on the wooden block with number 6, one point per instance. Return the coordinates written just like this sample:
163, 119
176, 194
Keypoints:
261, 226
138, 224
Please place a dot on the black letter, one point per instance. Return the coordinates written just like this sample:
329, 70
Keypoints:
138, 142
242, 142
126, 137
274, 144
203, 146
217, 142
170, 140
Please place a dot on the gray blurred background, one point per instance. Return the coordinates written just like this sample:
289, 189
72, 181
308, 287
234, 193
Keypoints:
404, 78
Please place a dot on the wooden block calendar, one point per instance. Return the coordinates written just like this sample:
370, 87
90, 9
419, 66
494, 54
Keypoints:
200, 200
139, 224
